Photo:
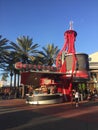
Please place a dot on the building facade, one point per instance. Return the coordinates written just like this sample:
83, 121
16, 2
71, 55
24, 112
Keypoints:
93, 69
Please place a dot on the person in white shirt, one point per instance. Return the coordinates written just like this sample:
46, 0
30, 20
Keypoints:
77, 98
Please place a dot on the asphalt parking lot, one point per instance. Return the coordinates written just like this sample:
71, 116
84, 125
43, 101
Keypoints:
15, 114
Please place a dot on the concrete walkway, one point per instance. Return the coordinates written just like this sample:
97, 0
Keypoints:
15, 114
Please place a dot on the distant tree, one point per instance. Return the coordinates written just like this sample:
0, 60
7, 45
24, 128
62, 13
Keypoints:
4, 77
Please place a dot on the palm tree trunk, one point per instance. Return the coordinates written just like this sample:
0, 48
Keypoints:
18, 79
11, 76
14, 79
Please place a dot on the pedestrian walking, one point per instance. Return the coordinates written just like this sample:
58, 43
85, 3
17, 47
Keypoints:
73, 96
77, 99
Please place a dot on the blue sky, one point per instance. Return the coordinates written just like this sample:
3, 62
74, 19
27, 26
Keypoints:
46, 21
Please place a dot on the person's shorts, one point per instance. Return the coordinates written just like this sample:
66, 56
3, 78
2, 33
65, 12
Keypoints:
76, 99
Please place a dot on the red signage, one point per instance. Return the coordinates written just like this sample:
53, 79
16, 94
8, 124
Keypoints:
18, 65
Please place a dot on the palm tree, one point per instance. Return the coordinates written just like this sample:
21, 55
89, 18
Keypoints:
25, 50
4, 54
49, 54
3, 51
10, 61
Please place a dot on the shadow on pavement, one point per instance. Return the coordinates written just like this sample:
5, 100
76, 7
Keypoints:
58, 116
